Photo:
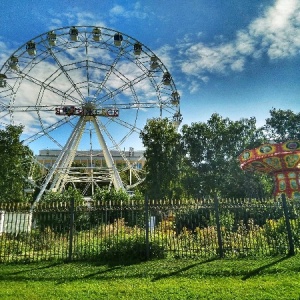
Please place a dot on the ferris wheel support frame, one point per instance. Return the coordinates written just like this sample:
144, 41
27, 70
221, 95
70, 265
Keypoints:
117, 182
57, 162
68, 157
61, 168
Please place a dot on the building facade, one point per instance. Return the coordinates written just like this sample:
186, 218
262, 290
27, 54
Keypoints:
94, 158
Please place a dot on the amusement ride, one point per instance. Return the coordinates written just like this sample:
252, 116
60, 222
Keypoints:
280, 160
74, 87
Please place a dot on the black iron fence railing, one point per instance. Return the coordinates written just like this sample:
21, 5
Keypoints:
210, 228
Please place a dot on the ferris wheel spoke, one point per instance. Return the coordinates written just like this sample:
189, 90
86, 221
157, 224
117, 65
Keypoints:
30, 108
126, 137
126, 80
87, 68
49, 87
125, 124
62, 68
46, 130
136, 100
121, 89
103, 83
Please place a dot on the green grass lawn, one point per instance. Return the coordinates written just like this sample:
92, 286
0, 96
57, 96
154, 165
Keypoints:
263, 278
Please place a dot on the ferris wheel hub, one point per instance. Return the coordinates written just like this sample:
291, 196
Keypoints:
86, 110
89, 105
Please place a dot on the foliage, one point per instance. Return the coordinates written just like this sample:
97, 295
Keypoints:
15, 164
85, 216
134, 248
212, 149
59, 220
164, 157
120, 199
66, 196
282, 125
117, 242
111, 196
191, 218
202, 160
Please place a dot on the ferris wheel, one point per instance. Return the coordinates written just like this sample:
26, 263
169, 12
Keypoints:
89, 88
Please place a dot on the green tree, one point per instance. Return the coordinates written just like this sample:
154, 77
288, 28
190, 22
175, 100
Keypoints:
15, 164
164, 157
282, 125
212, 150
66, 196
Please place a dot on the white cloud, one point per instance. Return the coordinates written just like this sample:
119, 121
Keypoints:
245, 44
165, 56
75, 18
276, 34
135, 12
279, 29
117, 10
193, 87
5, 52
211, 59
238, 65
56, 23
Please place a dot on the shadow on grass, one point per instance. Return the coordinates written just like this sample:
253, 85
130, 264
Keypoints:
59, 272
66, 271
258, 271
30, 268
62, 272
182, 269
90, 275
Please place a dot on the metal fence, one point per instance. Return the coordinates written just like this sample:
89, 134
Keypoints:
194, 228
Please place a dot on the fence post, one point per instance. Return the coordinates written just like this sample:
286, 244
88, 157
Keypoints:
288, 225
71, 232
147, 226
216, 205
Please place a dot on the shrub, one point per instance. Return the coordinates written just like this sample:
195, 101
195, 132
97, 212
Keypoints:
55, 212
132, 249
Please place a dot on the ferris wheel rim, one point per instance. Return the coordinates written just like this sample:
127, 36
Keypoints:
113, 92
88, 26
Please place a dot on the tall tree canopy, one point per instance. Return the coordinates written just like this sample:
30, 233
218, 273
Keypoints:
164, 155
212, 149
282, 125
203, 159
15, 164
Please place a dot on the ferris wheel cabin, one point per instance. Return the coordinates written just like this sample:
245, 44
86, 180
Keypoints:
74, 34
154, 62
137, 48
51, 38
30, 47
118, 38
96, 34
175, 98
3, 78
13, 63
167, 78
177, 119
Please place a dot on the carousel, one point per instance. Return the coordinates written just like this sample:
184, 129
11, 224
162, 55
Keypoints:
282, 161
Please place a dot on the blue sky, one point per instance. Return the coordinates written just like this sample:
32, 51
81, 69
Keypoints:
238, 58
